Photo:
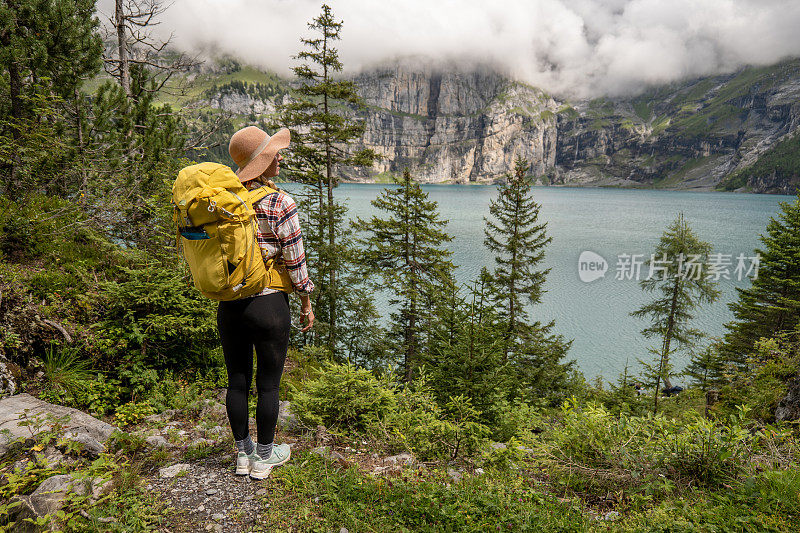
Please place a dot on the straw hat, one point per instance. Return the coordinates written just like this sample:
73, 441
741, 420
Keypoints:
253, 150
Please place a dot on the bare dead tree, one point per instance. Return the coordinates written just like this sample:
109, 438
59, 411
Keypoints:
130, 41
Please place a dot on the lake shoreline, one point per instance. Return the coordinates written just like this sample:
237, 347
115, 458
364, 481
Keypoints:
576, 186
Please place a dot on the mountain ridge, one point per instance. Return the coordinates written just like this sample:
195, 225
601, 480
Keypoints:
460, 125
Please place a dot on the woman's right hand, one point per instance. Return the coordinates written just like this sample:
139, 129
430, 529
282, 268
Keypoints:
306, 311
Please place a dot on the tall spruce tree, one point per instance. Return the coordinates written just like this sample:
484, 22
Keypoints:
678, 274
771, 305
321, 131
517, 239
407, 251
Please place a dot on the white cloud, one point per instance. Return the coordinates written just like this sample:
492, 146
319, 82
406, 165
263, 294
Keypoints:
568, 47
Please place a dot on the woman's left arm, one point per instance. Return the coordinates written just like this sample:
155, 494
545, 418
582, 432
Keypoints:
290, 236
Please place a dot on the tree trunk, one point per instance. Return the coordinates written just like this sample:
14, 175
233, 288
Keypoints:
411, 322
670, 329
79, 131
332, 257
15, 90
512, 293
122, 49
665, 348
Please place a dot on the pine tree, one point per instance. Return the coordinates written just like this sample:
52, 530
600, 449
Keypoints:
464, 354
47, 49
321, 132
406, 250
517, 238
706, 368
140, 144
677, 272
771, 305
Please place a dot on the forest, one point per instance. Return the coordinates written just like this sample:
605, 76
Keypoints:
487, 421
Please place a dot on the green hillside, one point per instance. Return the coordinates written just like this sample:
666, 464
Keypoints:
781, 162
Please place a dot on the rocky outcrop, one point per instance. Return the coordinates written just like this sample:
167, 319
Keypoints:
24, 416
8, 382
241, 104
789, 407
689, 135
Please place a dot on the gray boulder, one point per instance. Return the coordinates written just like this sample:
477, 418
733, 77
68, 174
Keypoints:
454, 474
8, 383
49, 497
287, 420
328, 453
90, 445
157, 441
404, 458
79, 425
214, 411
173, 470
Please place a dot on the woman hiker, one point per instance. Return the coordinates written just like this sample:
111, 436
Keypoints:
262, 321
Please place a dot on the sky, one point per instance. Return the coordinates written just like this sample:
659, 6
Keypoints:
573, 48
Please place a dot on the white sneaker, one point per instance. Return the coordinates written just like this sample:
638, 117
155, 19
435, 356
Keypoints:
262, 467
244, 463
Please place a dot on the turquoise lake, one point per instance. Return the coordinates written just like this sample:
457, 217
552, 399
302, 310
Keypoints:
608, 222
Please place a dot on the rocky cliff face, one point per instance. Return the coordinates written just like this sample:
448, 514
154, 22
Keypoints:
453, 126
690, 135
447, 124
457, 126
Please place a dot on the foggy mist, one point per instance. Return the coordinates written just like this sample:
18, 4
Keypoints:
575, 48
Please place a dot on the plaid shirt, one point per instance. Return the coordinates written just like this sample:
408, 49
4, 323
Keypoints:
279, 232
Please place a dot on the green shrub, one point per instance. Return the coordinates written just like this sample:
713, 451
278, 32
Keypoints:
707, 452
694, 450
517, 419
301, 364
152, 316
416, 425
98, 395
505, 458
762, 384
133, 413
343, 397
127, 443
28, 227
174, 392
420, 426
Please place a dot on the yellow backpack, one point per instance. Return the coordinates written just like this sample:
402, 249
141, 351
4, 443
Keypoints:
217, 232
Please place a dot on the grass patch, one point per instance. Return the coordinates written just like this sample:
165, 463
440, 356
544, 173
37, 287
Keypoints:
310, 494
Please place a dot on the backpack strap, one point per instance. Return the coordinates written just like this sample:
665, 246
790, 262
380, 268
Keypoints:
257, 194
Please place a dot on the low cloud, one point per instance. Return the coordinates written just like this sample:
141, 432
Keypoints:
574, 48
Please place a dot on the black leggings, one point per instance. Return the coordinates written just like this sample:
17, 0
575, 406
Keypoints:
263, 322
